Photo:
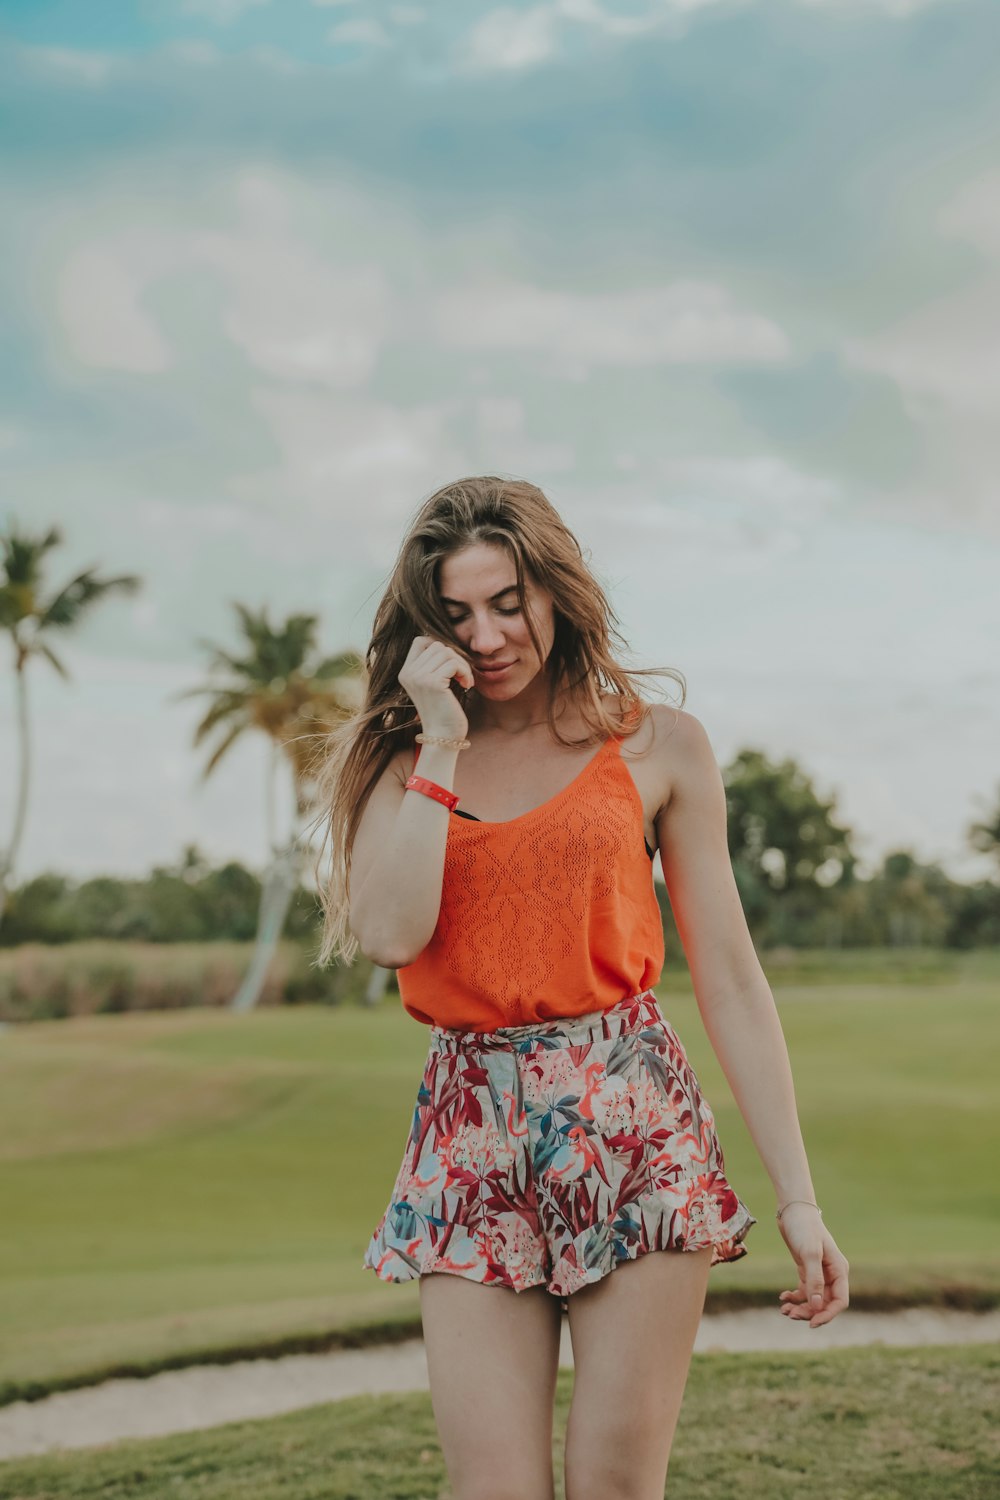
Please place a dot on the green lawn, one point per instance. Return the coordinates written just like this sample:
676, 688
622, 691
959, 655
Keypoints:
190, 1183
849, 1424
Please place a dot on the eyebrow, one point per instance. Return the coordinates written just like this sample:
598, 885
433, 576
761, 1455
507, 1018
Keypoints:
510, 589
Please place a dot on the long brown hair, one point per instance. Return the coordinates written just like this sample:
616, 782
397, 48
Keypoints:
513, 514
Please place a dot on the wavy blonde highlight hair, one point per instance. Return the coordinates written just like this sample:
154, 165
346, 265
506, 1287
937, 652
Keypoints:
582, 662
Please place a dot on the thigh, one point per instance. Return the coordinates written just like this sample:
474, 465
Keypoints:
633, 1333
492, 1361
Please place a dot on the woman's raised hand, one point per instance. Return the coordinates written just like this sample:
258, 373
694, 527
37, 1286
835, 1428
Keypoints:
822, 1291
426, 676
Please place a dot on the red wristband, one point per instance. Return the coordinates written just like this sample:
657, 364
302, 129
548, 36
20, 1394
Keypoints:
431, 789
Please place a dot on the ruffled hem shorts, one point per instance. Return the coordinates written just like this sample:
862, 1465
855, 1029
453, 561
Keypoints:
547, 1154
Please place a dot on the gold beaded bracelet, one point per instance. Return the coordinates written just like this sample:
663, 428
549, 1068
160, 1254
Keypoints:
781, 1210
436, 739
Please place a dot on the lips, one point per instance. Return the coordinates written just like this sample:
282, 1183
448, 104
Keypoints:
496, 666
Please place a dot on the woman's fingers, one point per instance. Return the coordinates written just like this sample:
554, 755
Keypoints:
438, 654
835, 1297
822, 1269
431, 664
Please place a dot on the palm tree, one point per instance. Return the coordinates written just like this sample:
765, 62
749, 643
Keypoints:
31, 618
276, 686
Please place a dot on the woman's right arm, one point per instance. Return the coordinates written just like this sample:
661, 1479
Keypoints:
397, 863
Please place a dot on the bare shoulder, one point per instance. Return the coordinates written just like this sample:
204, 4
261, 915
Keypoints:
696, 806
673, 748
679, 734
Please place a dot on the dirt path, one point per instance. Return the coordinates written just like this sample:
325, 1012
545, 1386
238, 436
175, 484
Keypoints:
207, 1395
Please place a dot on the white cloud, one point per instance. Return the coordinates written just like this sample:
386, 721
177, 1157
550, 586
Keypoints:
590, 13
194, 52
943, 355
973, 214
765, 484
900, 10
296, 316
712, 516
72, 65
222, 12
295, 313
503, 444
685, 322
506, 40
358, 459
366, 30
98, 297
944, 358
509, 39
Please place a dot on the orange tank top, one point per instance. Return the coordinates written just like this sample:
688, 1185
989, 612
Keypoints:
549, 914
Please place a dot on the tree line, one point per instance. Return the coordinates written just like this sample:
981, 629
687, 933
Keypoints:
903, 904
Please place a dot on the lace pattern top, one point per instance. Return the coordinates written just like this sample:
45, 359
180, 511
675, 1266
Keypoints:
549, 914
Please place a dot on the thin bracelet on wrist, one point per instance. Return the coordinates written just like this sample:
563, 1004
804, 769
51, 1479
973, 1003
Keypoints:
437, 739
781, 1210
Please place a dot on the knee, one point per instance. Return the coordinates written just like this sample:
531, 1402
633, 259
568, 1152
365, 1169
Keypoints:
505, 1481
504, 1489
612, 1486
633, 1469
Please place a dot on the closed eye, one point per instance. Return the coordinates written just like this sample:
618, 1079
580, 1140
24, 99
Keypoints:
457, 619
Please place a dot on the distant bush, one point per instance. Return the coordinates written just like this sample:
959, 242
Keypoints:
188, 903
40, 982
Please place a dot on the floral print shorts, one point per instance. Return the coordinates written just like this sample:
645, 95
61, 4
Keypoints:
547, 1154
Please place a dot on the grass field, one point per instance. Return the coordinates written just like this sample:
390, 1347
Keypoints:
850, 1424
195, 1183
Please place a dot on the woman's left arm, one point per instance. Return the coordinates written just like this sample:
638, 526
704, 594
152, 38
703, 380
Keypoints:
738, 1009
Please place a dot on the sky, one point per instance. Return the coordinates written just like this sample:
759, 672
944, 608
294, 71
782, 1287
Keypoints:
721, 276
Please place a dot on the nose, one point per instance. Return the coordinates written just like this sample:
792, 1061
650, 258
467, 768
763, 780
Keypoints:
485, 637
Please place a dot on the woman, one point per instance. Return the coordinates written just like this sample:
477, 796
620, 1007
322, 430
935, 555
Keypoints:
559, 1134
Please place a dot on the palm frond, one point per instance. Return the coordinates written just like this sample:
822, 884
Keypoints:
43, 650
15, 604
221, 749
225, 706
344, 665
81, 592
23, 553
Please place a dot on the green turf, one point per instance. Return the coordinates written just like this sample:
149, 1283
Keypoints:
178, 1184
847, 1424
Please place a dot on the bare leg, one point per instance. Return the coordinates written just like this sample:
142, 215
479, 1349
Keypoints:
633, 1333
492, 1360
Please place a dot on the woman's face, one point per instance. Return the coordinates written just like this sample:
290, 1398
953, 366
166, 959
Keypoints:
478, 589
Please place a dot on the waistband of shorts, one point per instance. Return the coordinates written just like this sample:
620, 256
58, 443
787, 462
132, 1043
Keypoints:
632, 1013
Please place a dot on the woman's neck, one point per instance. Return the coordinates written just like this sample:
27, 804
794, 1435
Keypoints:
515, 715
